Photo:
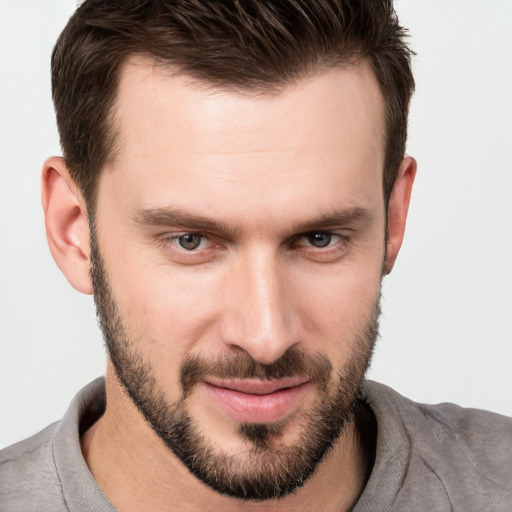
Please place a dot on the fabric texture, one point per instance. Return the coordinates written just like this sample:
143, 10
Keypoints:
428, 458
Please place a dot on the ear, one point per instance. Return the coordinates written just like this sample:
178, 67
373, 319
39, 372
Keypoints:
67, 224
397, 210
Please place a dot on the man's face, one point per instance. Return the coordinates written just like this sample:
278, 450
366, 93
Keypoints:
239, 248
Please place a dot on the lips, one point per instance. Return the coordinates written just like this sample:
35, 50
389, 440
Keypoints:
256, 401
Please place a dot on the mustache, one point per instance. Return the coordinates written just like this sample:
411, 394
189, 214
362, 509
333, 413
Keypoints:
241, 365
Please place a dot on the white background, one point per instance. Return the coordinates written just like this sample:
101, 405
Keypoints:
447, 323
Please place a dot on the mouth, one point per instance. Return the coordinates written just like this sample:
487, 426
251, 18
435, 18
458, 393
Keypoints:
257, 401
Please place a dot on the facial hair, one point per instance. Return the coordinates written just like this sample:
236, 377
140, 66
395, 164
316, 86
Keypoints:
269, 469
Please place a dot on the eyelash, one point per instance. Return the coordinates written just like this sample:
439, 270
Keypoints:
175, 238
172, 241
341, 238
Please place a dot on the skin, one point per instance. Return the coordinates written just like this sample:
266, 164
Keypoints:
268, 169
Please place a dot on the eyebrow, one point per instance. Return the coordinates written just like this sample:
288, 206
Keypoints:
341, 217
177, 217
172, 216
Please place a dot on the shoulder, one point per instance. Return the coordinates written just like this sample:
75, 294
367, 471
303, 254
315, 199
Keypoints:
441, 453
47, 472
28, 473
483, 435
479, 432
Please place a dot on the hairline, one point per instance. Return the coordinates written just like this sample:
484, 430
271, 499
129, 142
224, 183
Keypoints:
251, 90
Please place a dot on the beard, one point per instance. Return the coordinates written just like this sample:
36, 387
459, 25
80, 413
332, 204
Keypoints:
269, 469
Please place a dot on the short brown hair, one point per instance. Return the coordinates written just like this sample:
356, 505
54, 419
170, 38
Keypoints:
258, 45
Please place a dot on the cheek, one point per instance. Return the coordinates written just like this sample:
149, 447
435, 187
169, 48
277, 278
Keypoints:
339, 308
165, 309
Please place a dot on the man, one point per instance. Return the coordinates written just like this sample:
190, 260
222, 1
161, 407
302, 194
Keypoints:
233, 189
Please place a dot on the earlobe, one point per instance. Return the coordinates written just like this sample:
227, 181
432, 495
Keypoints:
67, 224
397, 210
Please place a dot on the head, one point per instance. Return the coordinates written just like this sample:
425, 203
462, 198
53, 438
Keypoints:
233, 189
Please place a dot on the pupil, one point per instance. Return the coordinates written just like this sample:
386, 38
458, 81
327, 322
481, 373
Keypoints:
319, 239
190, 242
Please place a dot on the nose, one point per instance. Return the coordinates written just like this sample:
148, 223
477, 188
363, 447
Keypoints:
260, 316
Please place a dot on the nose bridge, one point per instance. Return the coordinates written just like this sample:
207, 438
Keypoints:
262, 322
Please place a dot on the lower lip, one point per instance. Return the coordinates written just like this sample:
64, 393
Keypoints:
249, 408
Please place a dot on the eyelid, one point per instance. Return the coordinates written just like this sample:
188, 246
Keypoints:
171, 238
181, 256
212, 247
342, 237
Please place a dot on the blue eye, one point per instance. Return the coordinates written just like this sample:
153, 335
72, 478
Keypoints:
189, 241
319, 239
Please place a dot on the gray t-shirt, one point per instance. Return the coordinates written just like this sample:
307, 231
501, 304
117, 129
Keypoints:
428, 458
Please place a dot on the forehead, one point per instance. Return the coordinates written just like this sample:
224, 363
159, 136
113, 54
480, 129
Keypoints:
324, 131
150, 93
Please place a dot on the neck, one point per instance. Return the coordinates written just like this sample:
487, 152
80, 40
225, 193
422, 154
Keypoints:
136, 471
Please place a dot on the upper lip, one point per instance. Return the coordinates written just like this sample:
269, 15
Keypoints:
256, 386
